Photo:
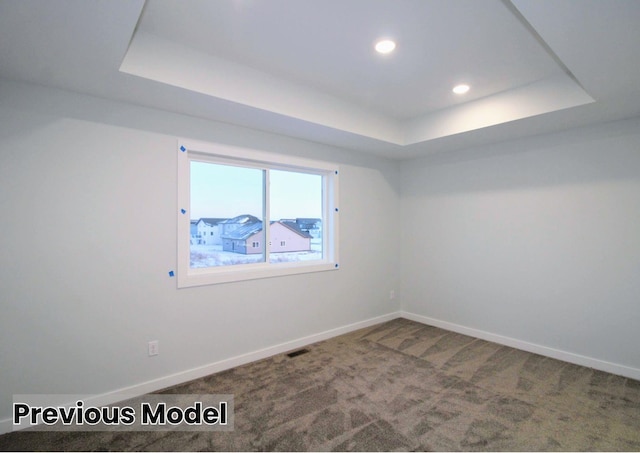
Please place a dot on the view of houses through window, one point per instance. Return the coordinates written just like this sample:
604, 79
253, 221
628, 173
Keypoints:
229, 205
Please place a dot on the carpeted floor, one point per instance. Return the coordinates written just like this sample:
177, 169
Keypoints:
397, 386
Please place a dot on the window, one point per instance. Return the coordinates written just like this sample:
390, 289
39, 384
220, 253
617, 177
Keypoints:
269, 215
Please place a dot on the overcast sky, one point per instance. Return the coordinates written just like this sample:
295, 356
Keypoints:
225, 191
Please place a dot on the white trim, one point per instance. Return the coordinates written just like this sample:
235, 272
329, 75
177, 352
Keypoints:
252, 156
577, 359
154, 385
216, 367
188, 151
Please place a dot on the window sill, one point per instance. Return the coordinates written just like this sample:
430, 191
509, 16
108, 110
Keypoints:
229, 274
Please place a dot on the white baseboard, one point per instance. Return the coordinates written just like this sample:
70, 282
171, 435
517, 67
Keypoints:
577, 359
154, 385
216, 367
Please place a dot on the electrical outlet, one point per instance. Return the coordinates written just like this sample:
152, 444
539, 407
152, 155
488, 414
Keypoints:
153, 348
392, 295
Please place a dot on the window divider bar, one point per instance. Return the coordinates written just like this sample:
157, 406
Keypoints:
271, 165
266, 215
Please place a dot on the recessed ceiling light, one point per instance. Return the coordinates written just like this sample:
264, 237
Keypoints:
461, 89
385, 46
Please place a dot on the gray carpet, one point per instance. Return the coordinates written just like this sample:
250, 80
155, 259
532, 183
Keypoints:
397, 386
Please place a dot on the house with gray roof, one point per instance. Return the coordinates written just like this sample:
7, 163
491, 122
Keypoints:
211, 229
313, 226
249, 239
207, 231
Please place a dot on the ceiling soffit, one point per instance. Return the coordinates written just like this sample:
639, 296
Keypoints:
247, 56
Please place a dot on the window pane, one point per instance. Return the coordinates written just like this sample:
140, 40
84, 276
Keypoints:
226, 215
296, 216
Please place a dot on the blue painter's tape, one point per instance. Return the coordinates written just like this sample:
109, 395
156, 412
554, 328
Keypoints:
184, 211
171, 274
183, 149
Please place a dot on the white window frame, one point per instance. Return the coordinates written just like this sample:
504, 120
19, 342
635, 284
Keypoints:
229, 155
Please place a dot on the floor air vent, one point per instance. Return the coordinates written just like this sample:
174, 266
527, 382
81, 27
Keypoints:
293, 354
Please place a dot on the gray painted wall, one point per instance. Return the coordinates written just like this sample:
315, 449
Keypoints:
534, 240
88, 196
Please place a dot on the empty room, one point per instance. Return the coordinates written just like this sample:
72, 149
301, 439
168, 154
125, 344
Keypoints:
312, 225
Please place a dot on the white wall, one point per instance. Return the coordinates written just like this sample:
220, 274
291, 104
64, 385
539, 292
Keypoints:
88, 202
534, 242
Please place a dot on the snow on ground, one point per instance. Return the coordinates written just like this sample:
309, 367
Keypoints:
213, 255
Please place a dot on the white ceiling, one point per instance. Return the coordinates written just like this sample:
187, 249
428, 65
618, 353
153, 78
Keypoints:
307, 68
